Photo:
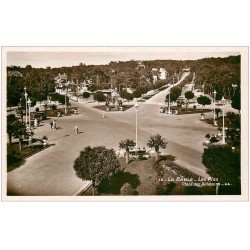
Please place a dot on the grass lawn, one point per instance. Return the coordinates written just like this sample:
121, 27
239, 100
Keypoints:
112, 108
146, 97
16, 158
175, 186
188, 111
53, 113
142, 176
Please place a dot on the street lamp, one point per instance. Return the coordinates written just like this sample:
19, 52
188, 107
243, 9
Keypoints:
169, 102
26, 96
136, 106
66, 84
223, 121
214, 103
29, 104
234, 87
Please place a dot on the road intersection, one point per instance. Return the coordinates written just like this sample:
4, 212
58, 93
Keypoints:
51, 172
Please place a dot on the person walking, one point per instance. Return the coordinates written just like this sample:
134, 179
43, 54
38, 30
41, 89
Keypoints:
76, 129
103, 114
51, 125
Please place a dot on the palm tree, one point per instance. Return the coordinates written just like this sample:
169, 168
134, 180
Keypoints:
127, 145
157, 142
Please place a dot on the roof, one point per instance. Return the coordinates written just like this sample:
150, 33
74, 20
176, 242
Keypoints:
15, 73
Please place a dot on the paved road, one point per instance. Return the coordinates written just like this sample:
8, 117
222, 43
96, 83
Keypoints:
50, 172
160, 98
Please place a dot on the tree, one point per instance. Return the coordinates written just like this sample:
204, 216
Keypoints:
127, 189
23, 102
189, 95
236, 101
128, 96
11, 119
46, 106
86, 95
138, 93
217, 112
223, 163
15, 85
157, 142
19, 130
96, 164
21, 112
203, 100
40, 97
127, 145
174, 94
53, 108
123, 94
99, 97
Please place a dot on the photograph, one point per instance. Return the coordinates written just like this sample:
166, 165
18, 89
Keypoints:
124, 123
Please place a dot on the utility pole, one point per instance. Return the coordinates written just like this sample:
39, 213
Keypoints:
77, 90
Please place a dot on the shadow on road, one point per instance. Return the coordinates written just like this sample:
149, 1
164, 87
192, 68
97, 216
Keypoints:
58, 138
114, 184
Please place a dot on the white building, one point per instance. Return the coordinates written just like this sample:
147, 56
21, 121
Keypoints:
60, 81
163, 74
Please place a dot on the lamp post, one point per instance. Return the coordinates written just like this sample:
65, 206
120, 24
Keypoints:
66, 90
136, 106
223, 121
26, 96
29, 104
77, 90
214, 103
234, 87
169, 102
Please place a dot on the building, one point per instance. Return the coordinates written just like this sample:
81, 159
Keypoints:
163, 74
60, 81
15, 73
109, 93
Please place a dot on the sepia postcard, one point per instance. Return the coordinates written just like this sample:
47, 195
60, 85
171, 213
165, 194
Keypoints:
125, 124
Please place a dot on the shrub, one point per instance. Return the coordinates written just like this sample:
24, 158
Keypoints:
13, 156
204, 100
213, 139
167, 189
166, 158
45, 137
99, 97
222, 162
86, 95
37, 109
194, 107
192, 190
207, 136
127, 189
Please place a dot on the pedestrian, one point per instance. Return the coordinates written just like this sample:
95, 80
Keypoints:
51, 125
76, 129
35, 123
103, 114
54, 124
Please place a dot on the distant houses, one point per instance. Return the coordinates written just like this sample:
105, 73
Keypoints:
159, 74
15, 73
62, 83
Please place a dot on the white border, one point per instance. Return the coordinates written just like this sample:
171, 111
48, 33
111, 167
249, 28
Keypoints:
244, 123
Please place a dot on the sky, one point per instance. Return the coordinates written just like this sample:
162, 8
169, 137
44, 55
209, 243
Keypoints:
59, 59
